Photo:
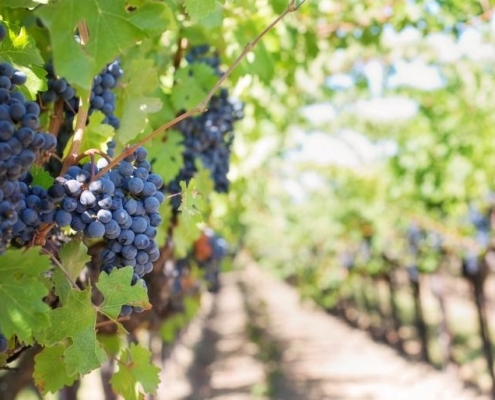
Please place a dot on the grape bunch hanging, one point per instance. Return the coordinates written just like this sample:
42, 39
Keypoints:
208, 138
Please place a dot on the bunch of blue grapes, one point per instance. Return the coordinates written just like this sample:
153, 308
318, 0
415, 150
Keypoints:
208, 137
121, 207
20, 144
102, 99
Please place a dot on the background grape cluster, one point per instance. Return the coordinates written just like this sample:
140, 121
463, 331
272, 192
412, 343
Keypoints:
208, 138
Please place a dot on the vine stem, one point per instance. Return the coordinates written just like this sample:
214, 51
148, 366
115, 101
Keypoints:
112, 321
201, 107
82, 117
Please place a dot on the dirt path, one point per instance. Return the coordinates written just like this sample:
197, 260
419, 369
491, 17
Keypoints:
256, 340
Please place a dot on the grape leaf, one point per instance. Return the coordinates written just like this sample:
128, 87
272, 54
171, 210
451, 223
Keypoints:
198, 9
110, 28
135, 368
76, 320
48, 376
74, 256
167, 155
117, 291
22, 310
191, 205
184, 236
133, 103
96, 135
204, 181
19, 48
192, 84
36, 81
62, 285
40, 176
23, 3
151, 18
111, 343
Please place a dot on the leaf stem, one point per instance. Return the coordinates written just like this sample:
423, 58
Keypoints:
59, 264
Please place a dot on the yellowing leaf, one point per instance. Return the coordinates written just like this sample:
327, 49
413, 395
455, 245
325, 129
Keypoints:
48, 376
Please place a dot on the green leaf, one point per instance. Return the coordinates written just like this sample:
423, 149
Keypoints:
204, 181
62, 285
117, 291
74, 256
23, 3
111, 343
192, 84
167, 155
198, 9
135, 368
40, 176
96, 135
133, 103
191, 205
48, 376
76, 320
36, 81
22, 310
19, 48
110, 28
153, 18
184, 235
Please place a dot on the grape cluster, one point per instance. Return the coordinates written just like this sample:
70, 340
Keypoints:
102, 99
209, 136
121, 207
20, 143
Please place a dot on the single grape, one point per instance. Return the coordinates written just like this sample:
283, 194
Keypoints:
63, 218
95, 229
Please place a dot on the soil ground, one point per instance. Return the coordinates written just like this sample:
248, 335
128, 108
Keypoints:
256, 340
